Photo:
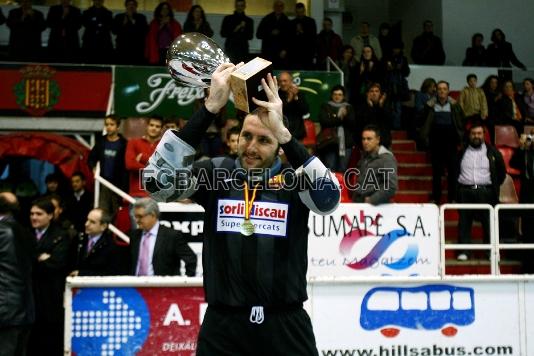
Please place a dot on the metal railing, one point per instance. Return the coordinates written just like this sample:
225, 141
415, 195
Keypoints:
331, 62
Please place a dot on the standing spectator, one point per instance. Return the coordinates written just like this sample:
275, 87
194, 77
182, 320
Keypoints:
373, 111
64, 21
238, 29
196, 21
511, 107
329, 44
54, 185
500, 52
109, 150
427, 48
528, 99
131, 28
386, 39
338, 115
139, 150
473, 100
481, 174
475, 56
350, 66
98, 255
273, 30
49, 272
365, 39
493, 95
80, 202
303, 38
17, 252
162, 31
397, 90
25, 25
232, 142
442, 132
97, 46
157, 250
295, 106
369, 72
377, 179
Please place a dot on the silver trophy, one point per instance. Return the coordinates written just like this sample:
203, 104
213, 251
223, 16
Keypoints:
192, 58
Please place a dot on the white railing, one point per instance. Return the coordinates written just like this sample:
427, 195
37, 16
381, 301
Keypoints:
331, 62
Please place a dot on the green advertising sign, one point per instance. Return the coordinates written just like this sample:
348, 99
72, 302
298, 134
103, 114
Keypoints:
146, 91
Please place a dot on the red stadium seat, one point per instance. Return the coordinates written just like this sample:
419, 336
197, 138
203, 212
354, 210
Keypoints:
454, 94
507, 153
310, 140
506, 135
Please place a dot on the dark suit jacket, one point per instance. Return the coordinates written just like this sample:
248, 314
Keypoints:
64, 42
169, 249
106, 258
77, 210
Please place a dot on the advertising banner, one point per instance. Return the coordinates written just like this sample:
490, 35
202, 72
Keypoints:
361, 239
54, 90
146, 91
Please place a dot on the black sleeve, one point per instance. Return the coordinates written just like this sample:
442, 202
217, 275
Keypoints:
500, 167
196, 127
518, 160
184, 252
295, 152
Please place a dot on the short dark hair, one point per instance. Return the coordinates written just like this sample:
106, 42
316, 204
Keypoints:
373, 128
471, 75
530, 80
78, 174
443, 82
113, 116
156, 117
236, 130
127, 1
328, 19
299, 5
475, 123
374, 85
52, 177
44, 204
337, 87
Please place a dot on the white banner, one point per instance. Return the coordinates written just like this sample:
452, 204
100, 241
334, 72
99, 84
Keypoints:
361, 239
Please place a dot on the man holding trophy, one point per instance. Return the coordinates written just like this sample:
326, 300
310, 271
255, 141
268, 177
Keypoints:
255, 231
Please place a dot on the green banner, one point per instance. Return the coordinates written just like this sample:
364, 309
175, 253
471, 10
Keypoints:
146, 91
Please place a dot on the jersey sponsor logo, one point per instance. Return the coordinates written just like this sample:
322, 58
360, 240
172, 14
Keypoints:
269, 219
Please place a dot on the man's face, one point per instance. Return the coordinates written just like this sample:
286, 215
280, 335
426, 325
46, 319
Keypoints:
257, 146
77, 183
144, 221
374, 94
93, 224
428, 27
111, 127
476, 137
240, 6
39, 218
472, 82
153, 129
300, 12
443, 91
327, 26
52, 186
338, 96
278, 7
131, 7
284, 81
370, 141
233, 143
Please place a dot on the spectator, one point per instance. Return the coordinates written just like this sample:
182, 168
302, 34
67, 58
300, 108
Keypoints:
500, 52
171, 123
295, 106
481, 174
162, 31
442, 132
386, 40
67, 226
238, 29
98, 255
365, 39
427, 48
337, 116
232, 141
377, 170
475, 56
349, 65
370, 71
25, 25
528, 99
473, 100
156, 250
17, 309
493, 95
511, 107
53, 183
212, 142
97, 46
109, 150
426, 93
64, 20
303, 37
373, 112
138, 151
273, 30
396, 72
80, 202
50, 270
329, 44
131, 29
196, 21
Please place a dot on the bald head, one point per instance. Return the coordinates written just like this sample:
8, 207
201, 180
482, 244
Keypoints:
8, 203
285, 80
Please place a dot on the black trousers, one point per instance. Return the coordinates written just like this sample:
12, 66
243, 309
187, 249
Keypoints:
230, 332
481, 195
14, 340
444, 152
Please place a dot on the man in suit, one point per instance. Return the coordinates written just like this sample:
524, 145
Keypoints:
80, 202
17, 249
64, 21
98, 255
156, 250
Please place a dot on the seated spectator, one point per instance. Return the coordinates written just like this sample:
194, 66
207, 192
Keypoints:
232, 142
442, 132
273, 31
238, 29
329, 44
295, 106
365, 39
386, 39
511, 107
109, 150
64, 20
500, 52
131, 29
493, 95
97, 46
303, 38
156, 250
337, 119
80, 202
377, 170
481, 173
427, 48
374, 112
196, 21
475, 56
350, 66
26, 25
473, 100
426, 93
396, 84
370, 71
161, 32
528, 99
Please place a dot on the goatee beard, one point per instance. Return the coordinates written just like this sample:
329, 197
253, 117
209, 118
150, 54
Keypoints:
475, 144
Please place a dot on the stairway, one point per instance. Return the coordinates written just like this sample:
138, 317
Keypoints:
415, 186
